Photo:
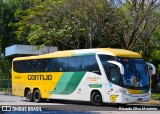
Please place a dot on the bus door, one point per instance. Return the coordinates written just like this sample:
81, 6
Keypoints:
116, 70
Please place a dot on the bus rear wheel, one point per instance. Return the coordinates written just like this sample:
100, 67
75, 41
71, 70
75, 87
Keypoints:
96, 98
37, 96
29, 97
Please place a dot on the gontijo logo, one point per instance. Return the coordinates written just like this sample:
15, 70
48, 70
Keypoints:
39, 77
113, 98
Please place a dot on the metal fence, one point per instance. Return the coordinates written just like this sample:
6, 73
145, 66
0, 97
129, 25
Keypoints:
5, 86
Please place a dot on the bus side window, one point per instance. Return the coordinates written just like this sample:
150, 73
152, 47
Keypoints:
17, 65
23, 66
30, 66
34, 66
114, 74
59, 64
27, 66
39, 66
89, 63
45, 65
63, 64
54, 65
74, 64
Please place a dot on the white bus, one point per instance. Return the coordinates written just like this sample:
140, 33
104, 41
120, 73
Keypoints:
103, 75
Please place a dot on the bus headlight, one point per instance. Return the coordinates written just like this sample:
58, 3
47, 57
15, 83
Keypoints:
124, 91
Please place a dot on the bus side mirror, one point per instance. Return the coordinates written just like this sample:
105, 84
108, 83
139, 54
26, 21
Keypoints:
151, 66
119, 65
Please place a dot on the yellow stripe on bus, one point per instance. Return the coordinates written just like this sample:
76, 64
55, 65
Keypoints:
134, 91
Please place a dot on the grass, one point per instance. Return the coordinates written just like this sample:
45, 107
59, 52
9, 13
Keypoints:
155, 96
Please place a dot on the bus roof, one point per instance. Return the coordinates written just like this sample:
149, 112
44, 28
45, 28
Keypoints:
106, 51
122, 53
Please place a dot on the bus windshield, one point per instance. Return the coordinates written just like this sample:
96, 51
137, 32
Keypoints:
135, 74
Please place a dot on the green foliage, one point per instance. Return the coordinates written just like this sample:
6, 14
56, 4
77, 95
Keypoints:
153, 51
7, 36
5, 68
155, 96
8, 18
74, 24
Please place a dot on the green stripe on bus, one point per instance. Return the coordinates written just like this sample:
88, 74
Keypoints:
95, 85
68, 82
62, 82
73, 83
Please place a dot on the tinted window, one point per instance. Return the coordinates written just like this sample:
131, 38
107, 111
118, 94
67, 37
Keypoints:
24, 66
17, 66
59, 64
114, 74
41, 65
74, 64
105, 58
111, 70
90, 64
70, 64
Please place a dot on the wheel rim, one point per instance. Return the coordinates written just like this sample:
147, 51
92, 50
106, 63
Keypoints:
97, 98
28, 95
36, 96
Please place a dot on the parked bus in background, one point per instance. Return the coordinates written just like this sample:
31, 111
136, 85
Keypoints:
102, 75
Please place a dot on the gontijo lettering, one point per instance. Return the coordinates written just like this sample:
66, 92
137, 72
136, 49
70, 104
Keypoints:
39, 77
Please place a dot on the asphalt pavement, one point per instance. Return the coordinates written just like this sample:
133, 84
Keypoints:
20, 105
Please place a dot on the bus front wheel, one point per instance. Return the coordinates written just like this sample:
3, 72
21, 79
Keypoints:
37, 96
29, 96
96, 98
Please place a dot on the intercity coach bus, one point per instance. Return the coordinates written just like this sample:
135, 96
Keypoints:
102, 75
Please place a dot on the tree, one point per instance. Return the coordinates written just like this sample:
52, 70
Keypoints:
134, 22
69, 24
153, 50
76, 24
7, 37
5, 73
88, 16
7, 18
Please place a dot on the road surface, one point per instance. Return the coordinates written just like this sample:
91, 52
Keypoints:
18, 105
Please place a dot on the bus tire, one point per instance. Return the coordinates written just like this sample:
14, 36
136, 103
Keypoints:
37, 96
29, 96
96, 98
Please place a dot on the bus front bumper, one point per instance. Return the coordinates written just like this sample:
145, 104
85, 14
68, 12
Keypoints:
134, 98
